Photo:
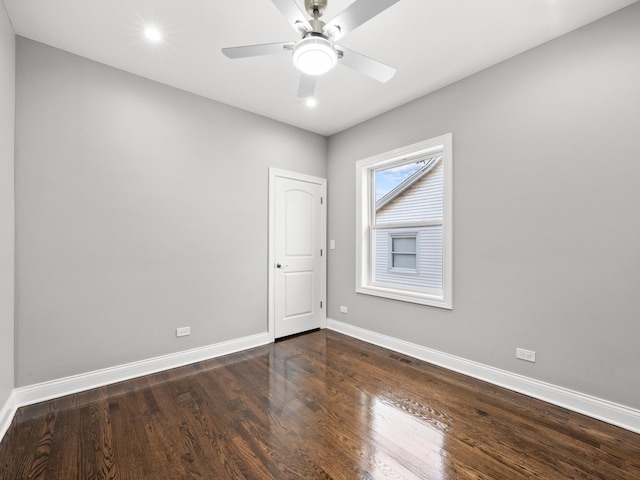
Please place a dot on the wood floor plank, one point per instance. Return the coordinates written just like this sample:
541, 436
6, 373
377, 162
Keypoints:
316, 406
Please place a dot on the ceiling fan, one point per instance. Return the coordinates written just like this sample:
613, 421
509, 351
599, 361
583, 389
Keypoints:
316, 53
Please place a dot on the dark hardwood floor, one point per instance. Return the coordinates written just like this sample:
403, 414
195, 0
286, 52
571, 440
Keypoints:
320, 405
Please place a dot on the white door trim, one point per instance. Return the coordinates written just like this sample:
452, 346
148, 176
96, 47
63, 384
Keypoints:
273, 174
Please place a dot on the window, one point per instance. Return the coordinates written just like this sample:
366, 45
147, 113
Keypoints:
403, 244
404, 254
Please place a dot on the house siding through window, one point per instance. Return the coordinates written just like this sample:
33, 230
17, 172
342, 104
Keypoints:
421, 202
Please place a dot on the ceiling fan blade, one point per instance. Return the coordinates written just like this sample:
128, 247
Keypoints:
355, 15
368, 66
294, 14
257, 50
307, 86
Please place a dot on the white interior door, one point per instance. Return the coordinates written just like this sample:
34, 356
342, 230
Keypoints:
297, 253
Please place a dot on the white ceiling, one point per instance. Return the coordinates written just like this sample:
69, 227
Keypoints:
431, 43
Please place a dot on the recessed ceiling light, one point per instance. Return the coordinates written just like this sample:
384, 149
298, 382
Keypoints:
153, 34
311, 102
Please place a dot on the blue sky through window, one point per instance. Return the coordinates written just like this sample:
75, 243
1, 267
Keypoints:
388, 179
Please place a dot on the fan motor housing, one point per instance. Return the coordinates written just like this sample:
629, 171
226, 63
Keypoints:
315, 8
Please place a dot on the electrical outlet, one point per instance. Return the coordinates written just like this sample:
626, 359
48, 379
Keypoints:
528, 355
183, 331
343, 309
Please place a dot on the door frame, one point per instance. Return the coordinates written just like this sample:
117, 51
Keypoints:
273, 174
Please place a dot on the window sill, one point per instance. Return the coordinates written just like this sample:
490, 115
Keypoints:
403, 295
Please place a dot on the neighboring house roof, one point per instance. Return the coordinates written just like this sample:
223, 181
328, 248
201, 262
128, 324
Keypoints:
390, 196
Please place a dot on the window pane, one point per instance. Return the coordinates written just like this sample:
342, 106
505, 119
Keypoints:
412, 192
389, 178
404, 245
404, 260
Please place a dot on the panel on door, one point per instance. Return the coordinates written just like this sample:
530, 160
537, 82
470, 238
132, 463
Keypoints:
297, 245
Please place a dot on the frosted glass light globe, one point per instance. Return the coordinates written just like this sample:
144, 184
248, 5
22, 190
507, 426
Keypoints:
314, 55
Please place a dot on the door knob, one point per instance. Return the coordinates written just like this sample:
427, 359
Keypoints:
278, 265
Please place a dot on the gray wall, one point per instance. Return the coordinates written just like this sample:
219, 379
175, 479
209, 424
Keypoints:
546, 213
7, 97
140, 208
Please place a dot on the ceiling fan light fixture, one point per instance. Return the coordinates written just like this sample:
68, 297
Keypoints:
314, 55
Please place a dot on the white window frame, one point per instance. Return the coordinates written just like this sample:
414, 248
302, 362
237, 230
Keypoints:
365, 211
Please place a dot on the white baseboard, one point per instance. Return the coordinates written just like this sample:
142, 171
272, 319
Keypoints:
40, 392
77, 383
7, 412
613, 413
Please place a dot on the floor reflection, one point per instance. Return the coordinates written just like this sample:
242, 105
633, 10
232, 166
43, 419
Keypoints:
364, 429
405, 442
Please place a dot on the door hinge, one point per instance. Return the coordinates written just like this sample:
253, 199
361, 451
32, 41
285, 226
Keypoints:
320, 303
320, 200
320, 252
